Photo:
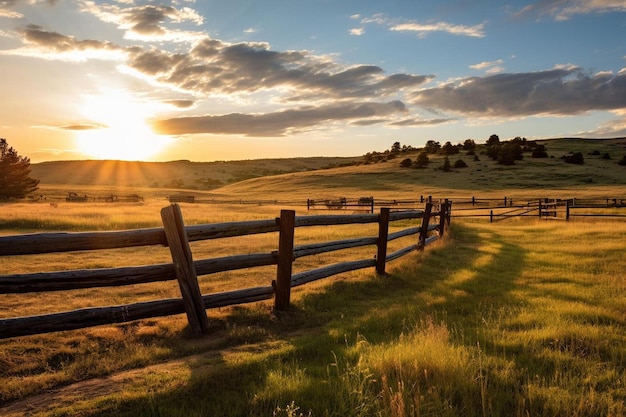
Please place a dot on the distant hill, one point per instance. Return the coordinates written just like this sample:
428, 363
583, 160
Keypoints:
353, 177
174, 174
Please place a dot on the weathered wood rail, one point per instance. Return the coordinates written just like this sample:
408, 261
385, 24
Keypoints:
185, 269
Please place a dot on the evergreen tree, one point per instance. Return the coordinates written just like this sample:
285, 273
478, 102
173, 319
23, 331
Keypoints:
15, 180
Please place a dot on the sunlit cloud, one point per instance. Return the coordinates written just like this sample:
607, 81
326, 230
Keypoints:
146, 22
357, 31
424, 29
565, 9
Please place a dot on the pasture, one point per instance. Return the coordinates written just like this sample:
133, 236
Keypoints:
522, 317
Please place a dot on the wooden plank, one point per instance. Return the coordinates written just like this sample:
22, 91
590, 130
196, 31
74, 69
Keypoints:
229, 298
85, 278
336, 219
403, 233
401, 252
230, 229
88, 317
230, 263
183, 265
327, 271
323, 247
38, 243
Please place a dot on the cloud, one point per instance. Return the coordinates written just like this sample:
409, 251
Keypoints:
213, 67
181, 104
486, 64
565, 9
560, 91
357, 31
45, 44
83, 126
424, 29
277, 123
146, 22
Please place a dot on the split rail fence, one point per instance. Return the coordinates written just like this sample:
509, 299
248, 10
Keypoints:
186, 270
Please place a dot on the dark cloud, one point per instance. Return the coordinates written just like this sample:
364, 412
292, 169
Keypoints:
83, 126
215, 67
181, 104
278, 123
557, 92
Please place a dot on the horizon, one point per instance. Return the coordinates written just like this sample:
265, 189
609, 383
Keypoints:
223, 81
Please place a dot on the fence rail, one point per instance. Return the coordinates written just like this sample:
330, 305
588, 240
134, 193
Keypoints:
176, 235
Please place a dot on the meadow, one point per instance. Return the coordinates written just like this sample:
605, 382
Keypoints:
519, 318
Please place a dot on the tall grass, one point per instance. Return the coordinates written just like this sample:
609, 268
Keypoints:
519, 318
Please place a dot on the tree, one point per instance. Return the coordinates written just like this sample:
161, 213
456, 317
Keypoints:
396, 147
406, 163
469, 145
15, 180
422, 160
432, 146
449, 149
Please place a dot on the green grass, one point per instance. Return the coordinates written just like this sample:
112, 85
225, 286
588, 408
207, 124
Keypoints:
517, 319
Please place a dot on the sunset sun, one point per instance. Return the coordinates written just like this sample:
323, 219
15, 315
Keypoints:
119, 128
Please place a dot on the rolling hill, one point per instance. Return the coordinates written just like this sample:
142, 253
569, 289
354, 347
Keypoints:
329, 177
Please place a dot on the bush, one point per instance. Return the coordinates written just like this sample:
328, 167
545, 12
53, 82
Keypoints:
622, 161
460, 164
406, 163
574, 158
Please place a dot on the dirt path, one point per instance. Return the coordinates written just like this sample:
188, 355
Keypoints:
89, 390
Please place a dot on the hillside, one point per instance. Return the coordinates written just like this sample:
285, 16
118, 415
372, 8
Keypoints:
174, 174
527, 177
324, 177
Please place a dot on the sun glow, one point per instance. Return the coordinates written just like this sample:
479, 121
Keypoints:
120, 128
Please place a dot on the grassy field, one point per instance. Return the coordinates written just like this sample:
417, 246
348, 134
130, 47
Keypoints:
519, 318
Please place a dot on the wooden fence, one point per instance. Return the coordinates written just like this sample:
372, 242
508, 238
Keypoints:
544, 208
186, 270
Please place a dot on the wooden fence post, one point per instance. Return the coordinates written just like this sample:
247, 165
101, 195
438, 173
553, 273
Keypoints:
424, 229
567, 203
178, 243
282, 285
372, 203
443, 209
383, 234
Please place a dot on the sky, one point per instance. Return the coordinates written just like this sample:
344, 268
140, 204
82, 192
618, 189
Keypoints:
222, 80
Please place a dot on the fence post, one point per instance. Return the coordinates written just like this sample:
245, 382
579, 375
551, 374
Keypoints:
282, 285
383, 234
443, 209
539, 208
424, 229
178, 243
567, 203
308, 204
491, 216
372, 202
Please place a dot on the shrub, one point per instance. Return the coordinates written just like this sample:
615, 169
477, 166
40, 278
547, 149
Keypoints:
460, 164
574, 158
406, 163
